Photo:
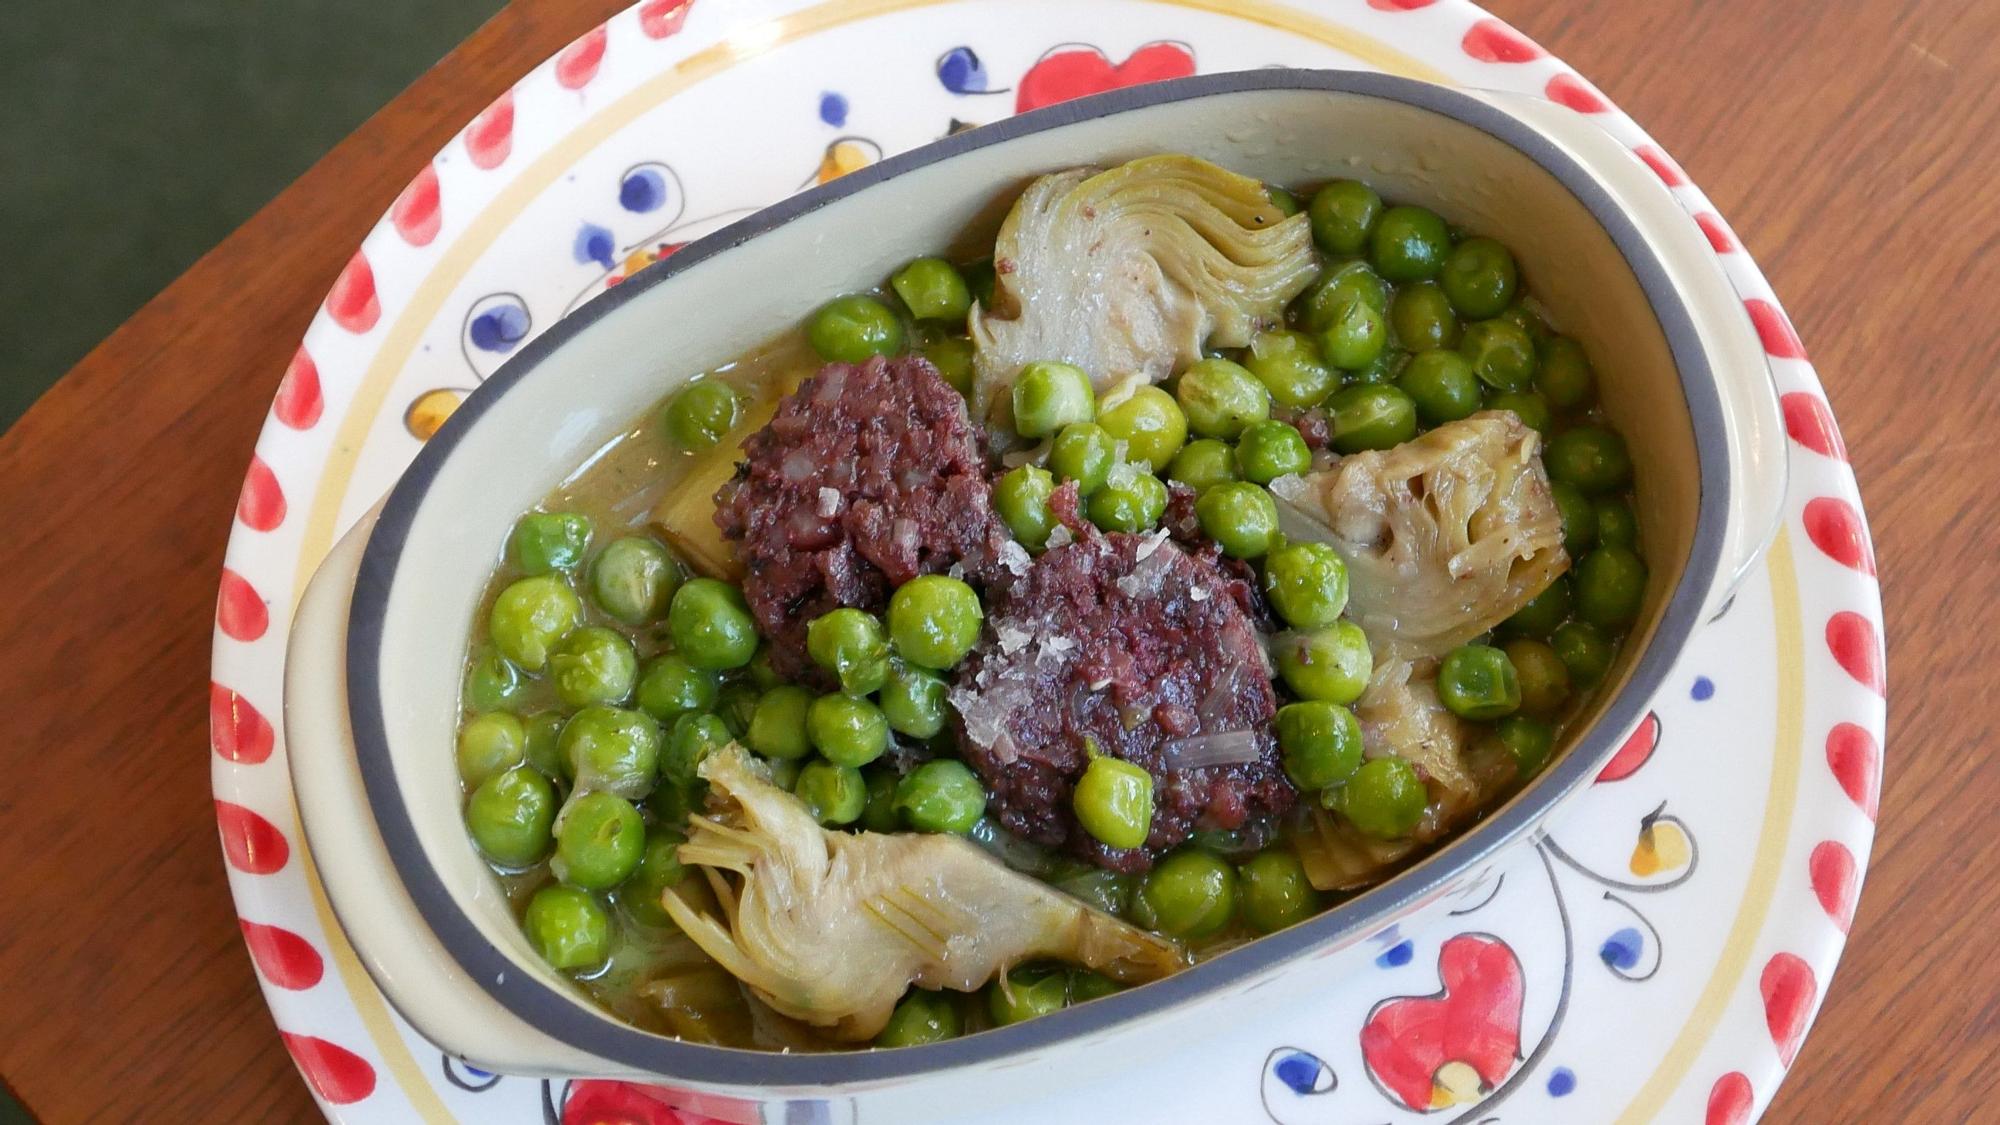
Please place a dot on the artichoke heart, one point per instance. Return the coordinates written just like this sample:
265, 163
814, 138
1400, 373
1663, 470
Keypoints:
1130, 271
1444, 536
831, 928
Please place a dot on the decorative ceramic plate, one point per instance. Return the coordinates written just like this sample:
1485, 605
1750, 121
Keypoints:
1659, 954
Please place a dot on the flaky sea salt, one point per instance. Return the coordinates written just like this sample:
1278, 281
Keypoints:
829, 503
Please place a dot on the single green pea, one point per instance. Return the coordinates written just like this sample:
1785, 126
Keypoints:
1189, 895
1592, 458
1617, 526
1409, 244
1289, 364
548, 541
1319, 743
1286, 203
1026, 993
879, 813
530, 616
1479, 276
914, 700
1131, 500
778, 725
850, 645
932, 289
490, 744
1344, 214
612, 749
1371, 416
850, 329
542, 744
702, 414
1021, 497
1049, 395
660, 869
762, 674
1528, 406
1610, 586
1543, 612
509, 817
688, 743
1321, 305
1527, 742
593, 665
1564, 377
1083, 452
567, 927
599, 841
835, 794
847, 731
1149, 422
1306, 583
1385, 798
734, 705
1423, 319
921, 1017
1219, 398
1544, 679
634, 579
1108, 891
1501, 354
1585, 651
492, 683
1387, 368
1085, 985
1203, 464
711, 626
1478, 682
1356, 337
953, 358
943, 796
1527, 320
1331, 663
1579, 518
1442, 386
1272, 449
1241, 518
1276, 892
934, 621
785, 772
1113, 801
670, 687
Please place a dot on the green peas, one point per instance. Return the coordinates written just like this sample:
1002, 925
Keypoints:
879, 813
1027, 993
1527, 741
1478, 682
1422, 317
1150, 423
1276, 892
1610, 585
921, 1017
1371, 416
670, 687
852, 328
1353, 281
1387, 368
1616, 525
1544, 679
913, 701
941, 796
933, 289
1083, 452
1344, 213
953, 357
1479, 276
1219, 398
612, 749
850, 644
1592, 458
659, 870
1331, 663
688, 743
1306, 583
1050, 395
1203, 464
834, 793
598, 841
847, 731
759, 671
634, 579
701, 415
1132, 500
1579, 518
1564, 378
1527, 320
490, 744
1021, 497
711, 626
1108, 891
542, 744
1187, 895
568, 928
1242, 518
1113, 801
778, 725
509, 817
1501, 354
1409, 244
1385, 798
1442, 385
1269, 450
1087, 985
1355, 338
1319, 743
593, 665
1289, 363
1286, 203
1585, 651
1543, 612
548, 541
1529, 407
784, 772
492, 683
934, 621
734, 705
530, 616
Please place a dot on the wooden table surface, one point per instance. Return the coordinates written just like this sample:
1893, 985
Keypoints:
1844, 142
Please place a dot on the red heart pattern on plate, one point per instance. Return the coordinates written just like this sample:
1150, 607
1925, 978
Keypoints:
1073, 72
416, 214
286, 959
1636, 752
1788, 989
351, 302
236, 730
1856, 762
298, 403
335, 1073
1474, 1021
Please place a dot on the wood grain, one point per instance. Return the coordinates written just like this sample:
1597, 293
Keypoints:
1852, 146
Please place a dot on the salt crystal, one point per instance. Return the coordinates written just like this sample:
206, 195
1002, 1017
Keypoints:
1198, 594
956, 570
1059, 536
1012, 637
829, 503
1152, 543
1015, 558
